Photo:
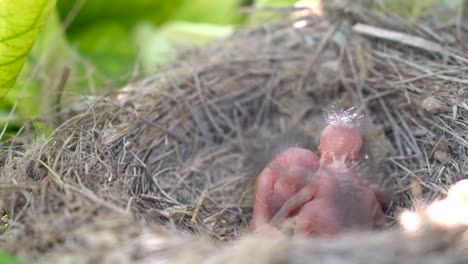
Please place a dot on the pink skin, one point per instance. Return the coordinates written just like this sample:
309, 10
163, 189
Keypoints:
324, 195
279, 181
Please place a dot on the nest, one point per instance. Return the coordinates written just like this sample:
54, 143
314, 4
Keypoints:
164, 169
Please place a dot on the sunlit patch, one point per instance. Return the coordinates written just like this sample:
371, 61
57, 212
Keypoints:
313, 7
459, 192
153, 242
300, 24
411, 221
453, 210
450, 212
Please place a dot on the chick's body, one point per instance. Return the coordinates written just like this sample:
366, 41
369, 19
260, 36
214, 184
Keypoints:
343, 201
327, 196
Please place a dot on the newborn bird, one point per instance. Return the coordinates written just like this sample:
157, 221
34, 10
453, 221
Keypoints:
325, 195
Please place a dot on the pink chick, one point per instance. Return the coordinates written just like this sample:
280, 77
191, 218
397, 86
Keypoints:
326, 195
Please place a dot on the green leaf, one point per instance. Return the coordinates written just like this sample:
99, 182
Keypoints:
20, 24
196, 33
126, 12
101, 31
158, 45
109, 45
155, 49
208, 11
8, 259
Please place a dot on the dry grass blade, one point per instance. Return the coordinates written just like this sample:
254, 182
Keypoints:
402, 38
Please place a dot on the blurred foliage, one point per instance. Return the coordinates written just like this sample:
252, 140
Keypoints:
158, 45
413, 10
106, 44
101, 32
100, 41
8, 259
124, 12
208, 11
